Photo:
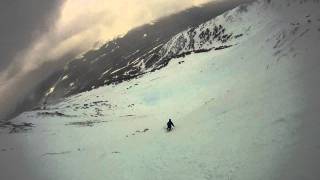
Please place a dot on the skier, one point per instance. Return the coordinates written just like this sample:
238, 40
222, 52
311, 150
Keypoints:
169, 125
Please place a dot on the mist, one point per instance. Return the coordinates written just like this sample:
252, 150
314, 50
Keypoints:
22, 23
37, 33
40, 36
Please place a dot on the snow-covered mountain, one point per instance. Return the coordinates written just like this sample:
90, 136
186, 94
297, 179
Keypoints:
141, 50
242, 90
109, 63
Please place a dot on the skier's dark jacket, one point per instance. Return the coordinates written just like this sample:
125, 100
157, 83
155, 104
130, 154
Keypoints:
169, 124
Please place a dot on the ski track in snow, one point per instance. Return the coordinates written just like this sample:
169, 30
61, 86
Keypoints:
241, 113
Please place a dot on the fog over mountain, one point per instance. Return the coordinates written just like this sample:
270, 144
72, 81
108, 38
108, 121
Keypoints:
22, 22
40, 37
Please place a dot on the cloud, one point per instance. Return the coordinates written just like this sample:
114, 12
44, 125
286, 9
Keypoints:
108, 19
36, 33
21, 23
45, 31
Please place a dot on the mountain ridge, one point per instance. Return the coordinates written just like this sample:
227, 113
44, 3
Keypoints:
114, 60
245, 112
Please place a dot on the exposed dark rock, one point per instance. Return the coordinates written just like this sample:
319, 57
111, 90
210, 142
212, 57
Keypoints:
56, 153
16, 127
89, 123
56, 113
222, 47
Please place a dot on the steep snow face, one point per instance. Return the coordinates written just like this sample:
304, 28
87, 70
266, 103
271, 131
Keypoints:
245, 112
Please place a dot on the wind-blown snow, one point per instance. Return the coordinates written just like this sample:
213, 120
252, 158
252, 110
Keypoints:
246, 112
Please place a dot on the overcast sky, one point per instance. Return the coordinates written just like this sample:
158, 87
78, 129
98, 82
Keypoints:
34, 33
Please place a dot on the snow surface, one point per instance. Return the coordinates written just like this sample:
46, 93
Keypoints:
247, 112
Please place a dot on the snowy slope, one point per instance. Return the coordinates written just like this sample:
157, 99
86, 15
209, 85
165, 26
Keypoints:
246, 112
